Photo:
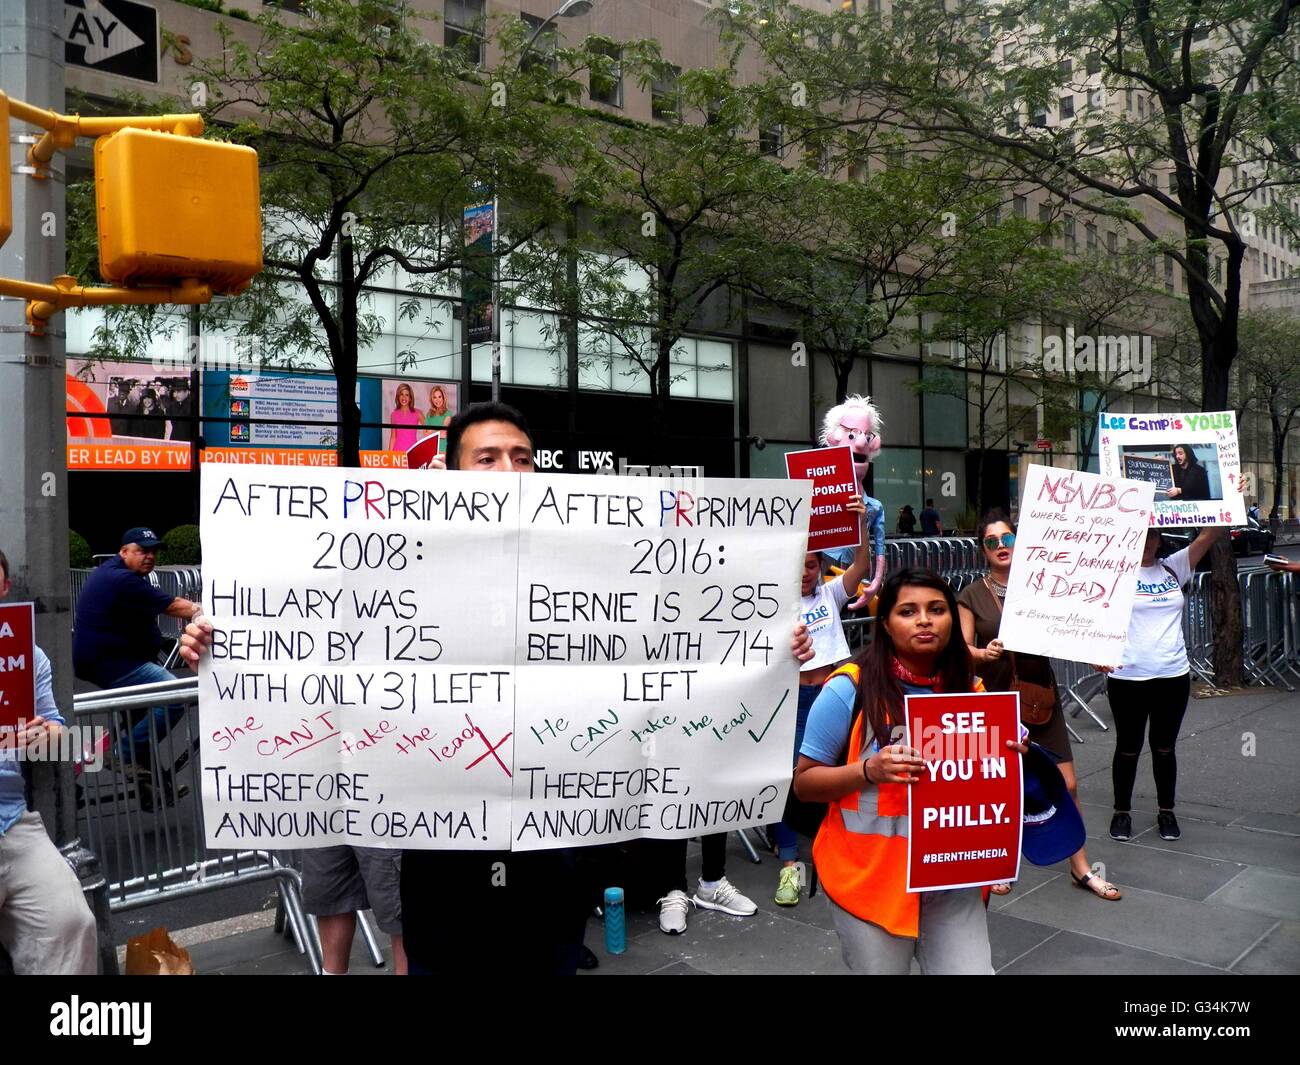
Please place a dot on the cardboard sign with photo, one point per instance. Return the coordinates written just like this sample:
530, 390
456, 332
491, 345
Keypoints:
1193, 460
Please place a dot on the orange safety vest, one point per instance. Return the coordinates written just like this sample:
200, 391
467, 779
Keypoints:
861, 850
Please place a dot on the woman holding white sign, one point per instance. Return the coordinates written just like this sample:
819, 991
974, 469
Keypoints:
848, 762
1153, 681
980, 605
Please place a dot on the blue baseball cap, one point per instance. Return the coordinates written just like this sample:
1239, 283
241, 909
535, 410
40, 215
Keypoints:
1053, 827
142, 536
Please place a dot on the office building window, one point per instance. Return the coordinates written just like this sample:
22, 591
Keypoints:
463, 27
770, 139
1071, 241
1094, 63
1045, 220
606, 79
1019, 205
1067, 106
1091, 230
542, 52
1112, 242
665, 102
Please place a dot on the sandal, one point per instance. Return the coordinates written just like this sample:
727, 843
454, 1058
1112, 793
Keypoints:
1102, 889
1001, 889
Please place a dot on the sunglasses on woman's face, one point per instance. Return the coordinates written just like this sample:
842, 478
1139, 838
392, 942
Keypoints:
1005, 540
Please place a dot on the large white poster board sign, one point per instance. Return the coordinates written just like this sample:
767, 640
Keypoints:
486, 661
1192, 460
1073, 575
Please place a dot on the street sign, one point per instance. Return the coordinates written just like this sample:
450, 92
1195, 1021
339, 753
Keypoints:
113, 37
1043, 445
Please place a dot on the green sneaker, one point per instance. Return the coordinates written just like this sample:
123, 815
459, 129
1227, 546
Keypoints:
787, 891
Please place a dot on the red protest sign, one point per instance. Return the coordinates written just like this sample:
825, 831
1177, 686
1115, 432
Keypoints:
425, 450
831, 471
964, 815
17, 664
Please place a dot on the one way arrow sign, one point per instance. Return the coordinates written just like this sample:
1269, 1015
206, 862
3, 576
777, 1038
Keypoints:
112, 36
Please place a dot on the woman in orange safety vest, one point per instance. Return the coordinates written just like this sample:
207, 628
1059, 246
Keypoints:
852, 759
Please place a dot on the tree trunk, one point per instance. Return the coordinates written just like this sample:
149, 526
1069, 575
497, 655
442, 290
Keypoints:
1217, 352
345, 371
1279, 469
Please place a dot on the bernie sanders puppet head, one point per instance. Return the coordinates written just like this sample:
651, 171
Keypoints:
855, 423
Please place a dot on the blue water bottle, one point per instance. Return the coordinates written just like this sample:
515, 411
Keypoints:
615, 928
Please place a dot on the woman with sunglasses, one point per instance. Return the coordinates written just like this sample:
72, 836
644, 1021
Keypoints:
980, 606
850, 761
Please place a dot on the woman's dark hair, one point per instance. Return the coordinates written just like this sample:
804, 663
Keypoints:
996, 516
1191, 455
880, 696
480, 412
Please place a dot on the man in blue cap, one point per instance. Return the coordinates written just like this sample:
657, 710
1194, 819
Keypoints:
115, 641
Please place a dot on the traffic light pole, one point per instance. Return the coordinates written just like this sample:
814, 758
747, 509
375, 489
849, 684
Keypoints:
33, 433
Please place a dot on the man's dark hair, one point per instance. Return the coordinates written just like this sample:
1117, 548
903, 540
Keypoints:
481, 412
4, 567
929, 502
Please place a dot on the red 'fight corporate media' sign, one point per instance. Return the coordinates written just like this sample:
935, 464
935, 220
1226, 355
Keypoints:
17, 664
964, 815
831, 471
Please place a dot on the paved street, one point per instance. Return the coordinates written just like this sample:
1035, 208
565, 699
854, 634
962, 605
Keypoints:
1225, 898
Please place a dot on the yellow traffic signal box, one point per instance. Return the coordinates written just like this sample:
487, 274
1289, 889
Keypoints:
174, 207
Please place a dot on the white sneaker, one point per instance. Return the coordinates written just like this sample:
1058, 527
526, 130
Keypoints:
726, 898
672, 913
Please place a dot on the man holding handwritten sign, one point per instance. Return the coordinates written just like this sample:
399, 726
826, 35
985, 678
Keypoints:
964, 812
644, 651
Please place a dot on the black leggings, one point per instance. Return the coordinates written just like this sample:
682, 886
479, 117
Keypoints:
1132, 703
670, 860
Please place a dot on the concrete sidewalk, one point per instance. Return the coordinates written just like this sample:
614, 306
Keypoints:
1223, 899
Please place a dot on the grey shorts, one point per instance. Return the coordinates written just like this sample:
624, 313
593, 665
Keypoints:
338, 880
953, 940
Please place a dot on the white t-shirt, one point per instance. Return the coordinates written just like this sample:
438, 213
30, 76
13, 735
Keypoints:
821, 613
1155, 645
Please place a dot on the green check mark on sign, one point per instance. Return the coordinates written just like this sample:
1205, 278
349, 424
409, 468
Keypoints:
759, 737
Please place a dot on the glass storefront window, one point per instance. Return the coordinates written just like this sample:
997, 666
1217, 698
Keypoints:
898, 481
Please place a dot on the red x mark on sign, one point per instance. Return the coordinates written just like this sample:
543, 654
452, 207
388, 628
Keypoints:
491, 751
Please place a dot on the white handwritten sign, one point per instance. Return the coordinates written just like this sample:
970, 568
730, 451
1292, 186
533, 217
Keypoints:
466, 661
1073, 576
1200, 452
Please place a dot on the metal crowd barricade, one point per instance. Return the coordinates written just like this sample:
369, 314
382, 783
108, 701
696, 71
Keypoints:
146, 823
1266, 654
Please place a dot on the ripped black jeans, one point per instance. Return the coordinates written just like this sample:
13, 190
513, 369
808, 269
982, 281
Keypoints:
1133, 703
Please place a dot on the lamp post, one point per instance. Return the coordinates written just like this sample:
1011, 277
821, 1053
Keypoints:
569, 9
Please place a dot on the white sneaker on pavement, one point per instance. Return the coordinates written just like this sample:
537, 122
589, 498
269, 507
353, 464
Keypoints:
726, 898
672, 912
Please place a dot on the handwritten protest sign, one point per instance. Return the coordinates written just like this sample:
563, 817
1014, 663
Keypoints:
1072, 582
461, 661
830, 469
1194, 460
964, 814
18, 664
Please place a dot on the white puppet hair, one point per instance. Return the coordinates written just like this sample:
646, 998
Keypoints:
831, 424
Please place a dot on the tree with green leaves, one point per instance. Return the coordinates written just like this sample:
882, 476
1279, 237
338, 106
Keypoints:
371, 141
1001, 278
675, 214
1270, 375
847, 259
1179, 121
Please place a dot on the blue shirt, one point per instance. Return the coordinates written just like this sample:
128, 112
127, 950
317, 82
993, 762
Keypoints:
843, 556
13, 800
930, 522
826, 739
116, 628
